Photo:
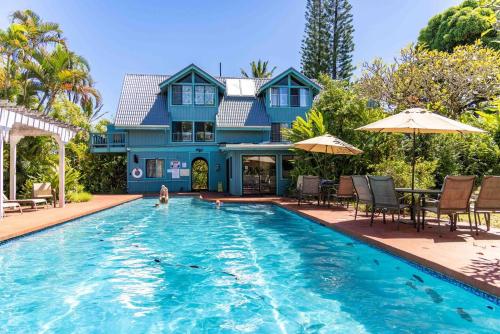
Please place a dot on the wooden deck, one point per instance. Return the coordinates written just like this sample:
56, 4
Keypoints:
474, 260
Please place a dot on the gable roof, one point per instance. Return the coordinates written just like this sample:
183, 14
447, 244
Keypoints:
293, 71
188, 69
141, 102
242, 111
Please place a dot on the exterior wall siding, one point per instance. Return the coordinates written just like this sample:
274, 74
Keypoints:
148, 138
216, 166
286, 114
242, 136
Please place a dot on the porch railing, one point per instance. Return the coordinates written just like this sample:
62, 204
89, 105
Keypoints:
108, 140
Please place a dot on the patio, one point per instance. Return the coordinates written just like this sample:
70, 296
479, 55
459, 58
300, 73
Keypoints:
474, 260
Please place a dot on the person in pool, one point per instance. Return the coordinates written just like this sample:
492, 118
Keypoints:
163, 194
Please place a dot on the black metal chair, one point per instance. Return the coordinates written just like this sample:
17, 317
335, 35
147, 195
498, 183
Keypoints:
385, 197
363, 193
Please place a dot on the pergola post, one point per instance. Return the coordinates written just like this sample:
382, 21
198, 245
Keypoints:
62, 154
13, 140
2, 131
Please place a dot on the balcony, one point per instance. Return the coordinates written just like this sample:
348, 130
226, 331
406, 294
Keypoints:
113, 142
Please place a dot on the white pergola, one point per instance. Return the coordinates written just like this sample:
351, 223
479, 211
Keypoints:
18, 122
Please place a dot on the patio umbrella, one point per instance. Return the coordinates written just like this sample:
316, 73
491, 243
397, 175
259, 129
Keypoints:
327, 144
416, 121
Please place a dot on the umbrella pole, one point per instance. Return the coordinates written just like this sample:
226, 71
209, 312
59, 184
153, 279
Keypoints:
413, 176
413, 161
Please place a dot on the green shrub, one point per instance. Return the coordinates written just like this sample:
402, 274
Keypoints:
400, 170
77, 197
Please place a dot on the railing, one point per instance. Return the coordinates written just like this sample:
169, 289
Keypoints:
108, 140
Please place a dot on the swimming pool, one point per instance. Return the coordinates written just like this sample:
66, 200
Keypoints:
244, 268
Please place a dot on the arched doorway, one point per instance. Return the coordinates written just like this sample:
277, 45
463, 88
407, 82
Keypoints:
199, 175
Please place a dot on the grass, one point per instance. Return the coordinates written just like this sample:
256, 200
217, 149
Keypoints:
79, 197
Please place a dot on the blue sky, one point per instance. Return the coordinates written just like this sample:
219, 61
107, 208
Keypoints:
155, 36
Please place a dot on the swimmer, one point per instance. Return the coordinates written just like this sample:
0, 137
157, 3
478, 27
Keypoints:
218, 204
163, 194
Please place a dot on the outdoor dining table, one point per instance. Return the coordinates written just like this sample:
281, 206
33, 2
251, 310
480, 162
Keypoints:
421, 199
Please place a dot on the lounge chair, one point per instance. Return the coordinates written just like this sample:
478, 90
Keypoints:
12, 206
344, 190
454, 200
34, 202
488, 200
363, 193
308, 186
385, 197
43, 190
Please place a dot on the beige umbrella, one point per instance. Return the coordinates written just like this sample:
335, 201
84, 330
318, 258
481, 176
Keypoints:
416, 121
327, 144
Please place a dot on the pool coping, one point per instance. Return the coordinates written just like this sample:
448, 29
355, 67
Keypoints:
482, 289
58, 222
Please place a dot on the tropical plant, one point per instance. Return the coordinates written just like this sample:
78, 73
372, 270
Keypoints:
460, 25
339, 111
259, 69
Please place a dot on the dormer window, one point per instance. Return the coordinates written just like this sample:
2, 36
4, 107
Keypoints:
193, 89
289, 92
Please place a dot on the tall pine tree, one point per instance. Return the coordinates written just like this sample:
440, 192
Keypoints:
315, 54
328, 42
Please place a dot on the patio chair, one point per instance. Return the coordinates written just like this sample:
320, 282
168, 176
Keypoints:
43, 190
308, 186
454, 200
344, 190
488, 200
385, 197
33, 202
12, 206
363, 193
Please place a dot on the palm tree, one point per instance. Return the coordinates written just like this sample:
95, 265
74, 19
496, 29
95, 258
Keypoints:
37, 31
12, 46
60, 71
259, 70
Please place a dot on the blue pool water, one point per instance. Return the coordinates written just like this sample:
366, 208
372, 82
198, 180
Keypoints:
188, 267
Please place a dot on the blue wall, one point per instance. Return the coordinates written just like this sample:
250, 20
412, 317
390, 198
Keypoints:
242, 136
215, 159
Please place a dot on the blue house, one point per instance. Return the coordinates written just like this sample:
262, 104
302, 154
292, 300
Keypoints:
194, 131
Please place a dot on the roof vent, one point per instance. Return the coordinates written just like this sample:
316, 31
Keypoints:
240, 87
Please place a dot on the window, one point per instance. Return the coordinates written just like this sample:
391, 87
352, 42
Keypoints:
193, 88
293, 95
275, 132
182, 131
204, 131
275, 97
177, 94
204, 95
283, 96
286, 166
199, 79
182, 94
155, 168
303, 97
298, 97
279, 96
